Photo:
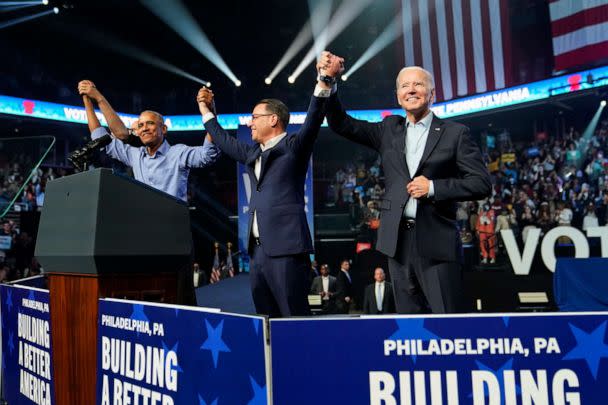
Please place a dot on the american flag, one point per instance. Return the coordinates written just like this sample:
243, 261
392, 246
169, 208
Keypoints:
464, 43
215, 270
580, 32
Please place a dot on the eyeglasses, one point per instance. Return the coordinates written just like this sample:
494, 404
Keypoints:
256, 116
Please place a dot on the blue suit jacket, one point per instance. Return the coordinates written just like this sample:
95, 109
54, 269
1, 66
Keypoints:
278, 196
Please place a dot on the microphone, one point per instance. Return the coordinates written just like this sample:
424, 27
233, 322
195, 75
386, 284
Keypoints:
80, 157
99, 142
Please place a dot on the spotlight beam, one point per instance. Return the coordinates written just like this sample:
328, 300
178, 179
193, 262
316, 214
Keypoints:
176, 15
344, 15
387, 36
588, 132
112, 43
6, 9
320, 11
19, 20
20, 3
296, 46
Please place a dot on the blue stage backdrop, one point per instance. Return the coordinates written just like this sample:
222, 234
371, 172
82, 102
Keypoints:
167, 354
511, 359
244, 195
26, 346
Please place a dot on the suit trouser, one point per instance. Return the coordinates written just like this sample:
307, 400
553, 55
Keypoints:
423, 285
279, 285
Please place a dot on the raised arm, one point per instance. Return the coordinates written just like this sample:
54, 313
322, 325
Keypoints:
92, 119
365, 133
117, 127
228, 144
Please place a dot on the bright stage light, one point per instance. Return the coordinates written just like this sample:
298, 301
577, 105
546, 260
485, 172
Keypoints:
20, 3
320, 11
176, 15
15, 21
45, 2
319, 18
603, 103
344, 15
387, 36
291, 79
268, 80
106, 40
237, 83
344, 77
55, 10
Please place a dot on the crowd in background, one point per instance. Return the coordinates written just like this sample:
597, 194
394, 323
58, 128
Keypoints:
358, 187
550, 181
16, 245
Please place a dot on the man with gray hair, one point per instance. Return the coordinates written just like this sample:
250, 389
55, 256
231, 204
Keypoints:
429, 164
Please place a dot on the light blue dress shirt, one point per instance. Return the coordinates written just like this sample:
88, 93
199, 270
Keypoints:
168, 169
415, 141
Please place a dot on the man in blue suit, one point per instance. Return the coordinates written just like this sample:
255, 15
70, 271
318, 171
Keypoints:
279, 238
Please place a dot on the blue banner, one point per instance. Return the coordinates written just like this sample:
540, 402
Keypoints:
243, 134
468, 359
27, 360
544, 89
167, 354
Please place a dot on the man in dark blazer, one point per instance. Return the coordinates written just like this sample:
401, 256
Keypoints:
345, 288
429, 164
327, 292
378, 297
279, 238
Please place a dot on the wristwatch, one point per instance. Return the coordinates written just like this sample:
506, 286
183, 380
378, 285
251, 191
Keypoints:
326, 79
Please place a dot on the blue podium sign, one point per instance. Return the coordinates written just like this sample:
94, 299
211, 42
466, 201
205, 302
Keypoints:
468, 359
168, 354
26, 346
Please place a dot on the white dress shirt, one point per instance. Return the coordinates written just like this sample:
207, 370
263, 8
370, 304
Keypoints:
325, 280
379, 293
415, 141
257, 170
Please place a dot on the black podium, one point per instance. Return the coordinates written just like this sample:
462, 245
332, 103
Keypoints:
104, 235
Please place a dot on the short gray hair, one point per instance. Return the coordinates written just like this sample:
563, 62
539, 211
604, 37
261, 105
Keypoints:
429, 76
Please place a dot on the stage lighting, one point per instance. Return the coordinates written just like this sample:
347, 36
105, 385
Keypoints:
237, 83
208, 84
45, 2
268, 80
344, 15
603, 103
55, 10
177, 17
19, 20
390, 33
344, 77
291, 79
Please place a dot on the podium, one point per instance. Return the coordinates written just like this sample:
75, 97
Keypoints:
102, 235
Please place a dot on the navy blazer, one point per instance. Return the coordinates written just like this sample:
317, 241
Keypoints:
451, 159
278, 196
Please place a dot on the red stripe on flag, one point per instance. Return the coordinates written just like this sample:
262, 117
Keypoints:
468, 47
449, 21
435, 51
505, 28
487, 46
582, 19
416, 33
581, 56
